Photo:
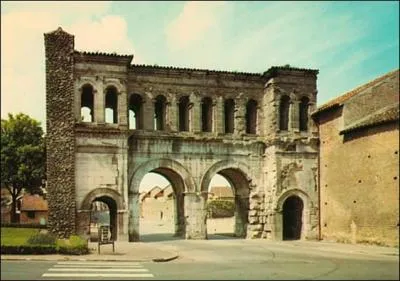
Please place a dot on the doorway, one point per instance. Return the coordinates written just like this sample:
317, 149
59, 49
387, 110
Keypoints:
292, 218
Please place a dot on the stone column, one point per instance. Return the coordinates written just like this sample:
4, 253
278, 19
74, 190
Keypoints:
148, 113
219, 114
239, 117
196, 215
194, 114
134, 217
99, 104
277, 114
291, 116
172, 114
295, 116
122, 109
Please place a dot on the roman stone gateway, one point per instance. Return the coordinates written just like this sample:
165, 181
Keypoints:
111, 122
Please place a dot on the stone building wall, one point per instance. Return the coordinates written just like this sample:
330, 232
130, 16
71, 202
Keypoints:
265, 164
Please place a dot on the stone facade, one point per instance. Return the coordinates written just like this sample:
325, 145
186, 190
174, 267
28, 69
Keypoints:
254, 129
359, 164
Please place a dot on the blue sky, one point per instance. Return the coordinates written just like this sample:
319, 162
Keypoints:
349, 42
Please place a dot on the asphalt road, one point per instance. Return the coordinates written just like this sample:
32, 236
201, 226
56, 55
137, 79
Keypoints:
231, 259
224, 257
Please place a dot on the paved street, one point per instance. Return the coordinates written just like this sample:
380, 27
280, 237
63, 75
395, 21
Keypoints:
223, 257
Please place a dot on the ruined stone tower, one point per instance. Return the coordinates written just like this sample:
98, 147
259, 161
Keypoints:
187, 125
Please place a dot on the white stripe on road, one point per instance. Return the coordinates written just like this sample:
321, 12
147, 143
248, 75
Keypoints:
98, 263
137, 275
101, 269
95, 265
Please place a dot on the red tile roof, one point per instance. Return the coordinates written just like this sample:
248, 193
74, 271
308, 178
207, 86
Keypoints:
33, 203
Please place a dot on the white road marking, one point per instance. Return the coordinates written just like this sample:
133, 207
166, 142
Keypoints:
95, 265
100, 269
70, 269
137, 275
99, 263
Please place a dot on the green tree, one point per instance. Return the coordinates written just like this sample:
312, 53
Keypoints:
23, 156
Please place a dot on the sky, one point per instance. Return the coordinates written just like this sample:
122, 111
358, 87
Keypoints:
350, 42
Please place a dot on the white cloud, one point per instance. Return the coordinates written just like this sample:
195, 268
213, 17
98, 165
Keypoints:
193, 23
22, 46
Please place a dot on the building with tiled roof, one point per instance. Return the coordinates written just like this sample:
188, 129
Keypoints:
221, 192
359, 163
34, 209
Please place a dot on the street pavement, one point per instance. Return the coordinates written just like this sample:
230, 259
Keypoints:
160, 255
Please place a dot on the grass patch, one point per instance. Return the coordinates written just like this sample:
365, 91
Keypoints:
34, 241
11, 236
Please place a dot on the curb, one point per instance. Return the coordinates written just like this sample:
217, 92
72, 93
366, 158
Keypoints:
38, 258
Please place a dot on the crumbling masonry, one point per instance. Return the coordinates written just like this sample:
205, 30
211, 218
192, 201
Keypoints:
188, 125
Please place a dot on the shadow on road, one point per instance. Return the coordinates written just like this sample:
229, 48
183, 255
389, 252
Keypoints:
157, 237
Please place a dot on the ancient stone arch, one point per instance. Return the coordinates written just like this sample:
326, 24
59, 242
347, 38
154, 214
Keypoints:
84, 160
159, 165
223, 165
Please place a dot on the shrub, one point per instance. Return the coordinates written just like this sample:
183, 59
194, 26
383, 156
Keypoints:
75, 245
42, 239
28, 249
221, 209
23, 225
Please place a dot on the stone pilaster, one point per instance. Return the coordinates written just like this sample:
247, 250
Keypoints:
240, 112
294, 116
99, 104
148, 113
195, 114
60, 138
172, 114
196, 215
134, 217
219, 115
122, 106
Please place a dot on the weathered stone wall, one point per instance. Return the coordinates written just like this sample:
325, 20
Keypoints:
359, 183
60, 138
101, 163
262, 167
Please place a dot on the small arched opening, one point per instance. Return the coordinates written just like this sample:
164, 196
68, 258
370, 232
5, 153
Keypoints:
87, 103
184, 118
292, 212
206, 114
284, 113
303, 113
229, 107
104, 211
135, 109
111, 109
251, 117
160, 113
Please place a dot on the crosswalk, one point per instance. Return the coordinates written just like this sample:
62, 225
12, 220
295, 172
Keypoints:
109, 269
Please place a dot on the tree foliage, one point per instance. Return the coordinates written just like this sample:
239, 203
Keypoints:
23, 156
220, 208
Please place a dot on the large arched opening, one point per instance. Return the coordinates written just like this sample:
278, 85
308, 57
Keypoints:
179, 181
161, 206
238, 181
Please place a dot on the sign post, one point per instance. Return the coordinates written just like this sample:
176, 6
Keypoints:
104, 237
